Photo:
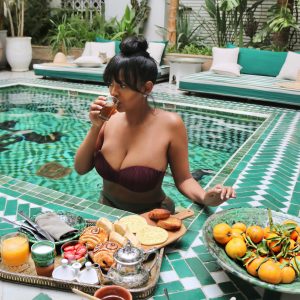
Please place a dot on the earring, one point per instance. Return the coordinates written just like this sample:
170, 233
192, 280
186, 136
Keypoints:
145, 95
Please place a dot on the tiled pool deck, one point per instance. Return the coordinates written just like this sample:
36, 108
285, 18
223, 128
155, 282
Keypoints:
264, 172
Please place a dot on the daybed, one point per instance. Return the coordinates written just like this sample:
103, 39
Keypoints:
258, 79
90, 66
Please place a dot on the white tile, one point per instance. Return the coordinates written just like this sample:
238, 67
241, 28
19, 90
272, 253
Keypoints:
257, 197
190, 283
212, 291
219, 276
169, 276
188, 253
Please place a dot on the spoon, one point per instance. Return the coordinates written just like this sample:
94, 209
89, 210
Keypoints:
87, 296
166, 293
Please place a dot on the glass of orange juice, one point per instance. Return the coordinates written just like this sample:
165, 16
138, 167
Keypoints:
14, 249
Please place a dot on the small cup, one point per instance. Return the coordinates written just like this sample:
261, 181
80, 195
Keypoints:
43, 255
109, 108
113, 292
14, 249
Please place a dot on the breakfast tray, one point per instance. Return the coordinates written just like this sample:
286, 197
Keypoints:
28, 276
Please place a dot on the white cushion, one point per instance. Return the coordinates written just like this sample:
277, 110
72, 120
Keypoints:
94, 48
225, 61
156, 51
291, 67
88, 61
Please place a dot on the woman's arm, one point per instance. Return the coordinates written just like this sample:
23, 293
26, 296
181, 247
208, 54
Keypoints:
186, 184
84, 158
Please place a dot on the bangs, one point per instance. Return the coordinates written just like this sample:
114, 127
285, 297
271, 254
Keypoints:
133, 71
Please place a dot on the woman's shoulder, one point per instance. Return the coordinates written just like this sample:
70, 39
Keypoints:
170, 118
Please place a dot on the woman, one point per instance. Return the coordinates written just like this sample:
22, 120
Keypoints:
132, 150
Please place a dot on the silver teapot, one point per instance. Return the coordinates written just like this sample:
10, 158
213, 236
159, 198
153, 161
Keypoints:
129, 270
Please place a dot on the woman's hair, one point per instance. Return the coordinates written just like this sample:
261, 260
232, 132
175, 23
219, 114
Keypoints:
133, 65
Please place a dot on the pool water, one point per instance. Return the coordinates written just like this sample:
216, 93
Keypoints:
41, 130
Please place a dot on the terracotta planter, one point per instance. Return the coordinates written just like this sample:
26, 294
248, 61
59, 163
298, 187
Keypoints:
205, 66
19, 53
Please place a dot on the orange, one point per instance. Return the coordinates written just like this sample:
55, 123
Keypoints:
288, 274
272, 243
252, 267
237, 233
239, 225
289, 222
270, 272
256, 233
222, 233
295, 233
236, 248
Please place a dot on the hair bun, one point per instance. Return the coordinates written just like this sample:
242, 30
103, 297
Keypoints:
133, 45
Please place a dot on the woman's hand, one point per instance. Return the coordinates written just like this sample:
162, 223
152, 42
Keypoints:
218, 194
95, 108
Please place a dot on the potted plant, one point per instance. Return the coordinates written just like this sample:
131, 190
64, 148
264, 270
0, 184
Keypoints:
18, 47
3, 34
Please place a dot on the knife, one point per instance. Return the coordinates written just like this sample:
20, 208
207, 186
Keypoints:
36, 227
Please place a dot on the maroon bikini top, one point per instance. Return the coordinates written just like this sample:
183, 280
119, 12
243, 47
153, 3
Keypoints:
135, 178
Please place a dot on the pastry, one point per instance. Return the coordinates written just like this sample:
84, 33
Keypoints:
170, 223
93, 235
105, 224
120, 228
103, 254
159, 214
117, 238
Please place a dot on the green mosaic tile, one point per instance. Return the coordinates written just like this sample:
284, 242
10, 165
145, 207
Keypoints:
237, 296
173, 255
11, 207
9, 192
200, 271
227, 287
206, 257
192, 295
165, 266
212, 266
182, 269
173, 286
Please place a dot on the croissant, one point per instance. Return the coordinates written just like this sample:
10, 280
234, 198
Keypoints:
103, 254
92, 236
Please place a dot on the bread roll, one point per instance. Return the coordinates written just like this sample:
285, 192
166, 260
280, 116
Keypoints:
159, 214
117, 238
105, 224
133, 239
171, 224
120, 228
93, 235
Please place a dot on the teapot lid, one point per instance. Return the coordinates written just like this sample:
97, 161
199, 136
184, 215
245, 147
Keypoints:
129, 254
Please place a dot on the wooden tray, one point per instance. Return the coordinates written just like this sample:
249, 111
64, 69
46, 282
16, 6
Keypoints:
28, 276
172, 235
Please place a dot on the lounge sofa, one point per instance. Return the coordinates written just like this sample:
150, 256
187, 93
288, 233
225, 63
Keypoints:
258, 79
89, 67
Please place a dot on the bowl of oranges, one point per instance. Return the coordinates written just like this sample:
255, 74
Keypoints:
258, 245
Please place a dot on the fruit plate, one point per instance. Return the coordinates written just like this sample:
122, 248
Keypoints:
69, 218
249, 216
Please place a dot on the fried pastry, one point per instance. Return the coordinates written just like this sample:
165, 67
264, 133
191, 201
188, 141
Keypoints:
171, 224
103, 254
159, 214
92, 236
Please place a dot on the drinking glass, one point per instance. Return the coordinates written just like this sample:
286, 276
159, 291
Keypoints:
14, 249
109, 108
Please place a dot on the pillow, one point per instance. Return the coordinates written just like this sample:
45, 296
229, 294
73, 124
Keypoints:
156, 50
103, 40
88, 61
94, 48
225, 61
291, 67
260, 62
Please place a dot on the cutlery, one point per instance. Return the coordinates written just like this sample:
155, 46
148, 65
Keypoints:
87, 296
36, 227
24, 227
166, 293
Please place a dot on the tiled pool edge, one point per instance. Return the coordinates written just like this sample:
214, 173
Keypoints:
189, 270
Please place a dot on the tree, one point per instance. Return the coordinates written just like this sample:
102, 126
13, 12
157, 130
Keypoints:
174, 4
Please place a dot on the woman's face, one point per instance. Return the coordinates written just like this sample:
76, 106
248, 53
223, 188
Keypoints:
128, 98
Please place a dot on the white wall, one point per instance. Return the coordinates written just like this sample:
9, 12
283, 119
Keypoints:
115, 8
158, 16
55, 3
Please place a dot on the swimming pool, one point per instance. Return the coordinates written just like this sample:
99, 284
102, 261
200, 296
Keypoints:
41, 129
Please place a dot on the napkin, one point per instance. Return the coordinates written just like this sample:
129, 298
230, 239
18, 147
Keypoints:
54, 225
